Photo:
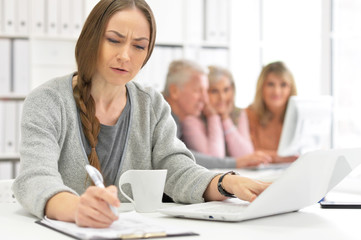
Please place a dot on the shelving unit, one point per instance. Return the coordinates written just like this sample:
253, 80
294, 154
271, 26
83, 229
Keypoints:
37, 39
192, 29
48, 31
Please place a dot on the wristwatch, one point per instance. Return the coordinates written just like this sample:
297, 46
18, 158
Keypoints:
220, 187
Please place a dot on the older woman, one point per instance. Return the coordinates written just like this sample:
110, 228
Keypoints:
234, 122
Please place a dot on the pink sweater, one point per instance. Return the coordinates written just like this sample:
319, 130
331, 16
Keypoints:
238, 138
211, 138
204, 138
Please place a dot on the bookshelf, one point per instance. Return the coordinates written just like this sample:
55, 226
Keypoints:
191, 29
38, 37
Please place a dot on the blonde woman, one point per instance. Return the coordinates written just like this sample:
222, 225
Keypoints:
275, 86
99, 116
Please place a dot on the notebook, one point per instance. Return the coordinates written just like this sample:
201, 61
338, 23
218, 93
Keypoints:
341, 200
303, 183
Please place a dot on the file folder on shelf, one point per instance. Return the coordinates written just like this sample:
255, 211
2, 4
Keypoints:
22, 17
52, 20
65, 11
10, 126
216, 17
21, 66
19, 112
9, 16
211, 22
38, 17
77, 17
1, 18
194, 21
223, 31
2, 127
5, 63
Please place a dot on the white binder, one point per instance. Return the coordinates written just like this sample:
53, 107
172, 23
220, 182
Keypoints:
22, 17
65, 10
2, 127
77, 17
211, 18
9, 16
52, 17
194, 21
223, 13
21, 66
5, 63
1, 17
10, 126
19, 112
38, 17
216, 17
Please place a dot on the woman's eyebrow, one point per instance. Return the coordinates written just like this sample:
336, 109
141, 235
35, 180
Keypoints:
122, 36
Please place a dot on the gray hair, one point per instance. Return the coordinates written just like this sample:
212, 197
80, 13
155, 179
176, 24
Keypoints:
216, 73
179, 72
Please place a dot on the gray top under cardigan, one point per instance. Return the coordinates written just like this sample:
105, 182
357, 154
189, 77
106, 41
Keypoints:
52, 157
110, 146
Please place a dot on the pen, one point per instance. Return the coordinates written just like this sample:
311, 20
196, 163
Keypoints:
98, 181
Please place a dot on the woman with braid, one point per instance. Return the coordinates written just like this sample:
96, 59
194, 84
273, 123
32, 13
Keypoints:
99, 116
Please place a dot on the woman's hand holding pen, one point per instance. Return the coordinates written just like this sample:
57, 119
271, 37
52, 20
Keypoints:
93, 207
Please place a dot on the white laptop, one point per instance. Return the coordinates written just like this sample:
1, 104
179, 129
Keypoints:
304, 183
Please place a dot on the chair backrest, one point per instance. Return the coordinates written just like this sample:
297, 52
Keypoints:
6, 193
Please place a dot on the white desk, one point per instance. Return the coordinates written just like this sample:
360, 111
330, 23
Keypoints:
309, 223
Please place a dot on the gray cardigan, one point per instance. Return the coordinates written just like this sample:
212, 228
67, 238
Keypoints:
53, 158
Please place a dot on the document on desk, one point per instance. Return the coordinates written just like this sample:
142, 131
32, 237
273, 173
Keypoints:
336, 199
130, 225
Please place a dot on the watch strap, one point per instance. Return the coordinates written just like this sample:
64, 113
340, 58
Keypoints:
220, 187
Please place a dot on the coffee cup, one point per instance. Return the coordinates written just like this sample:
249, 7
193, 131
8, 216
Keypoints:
147, 188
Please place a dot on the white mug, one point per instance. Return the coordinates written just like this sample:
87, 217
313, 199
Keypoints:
147, 188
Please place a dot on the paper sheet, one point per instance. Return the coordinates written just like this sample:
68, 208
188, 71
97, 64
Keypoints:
129, 225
